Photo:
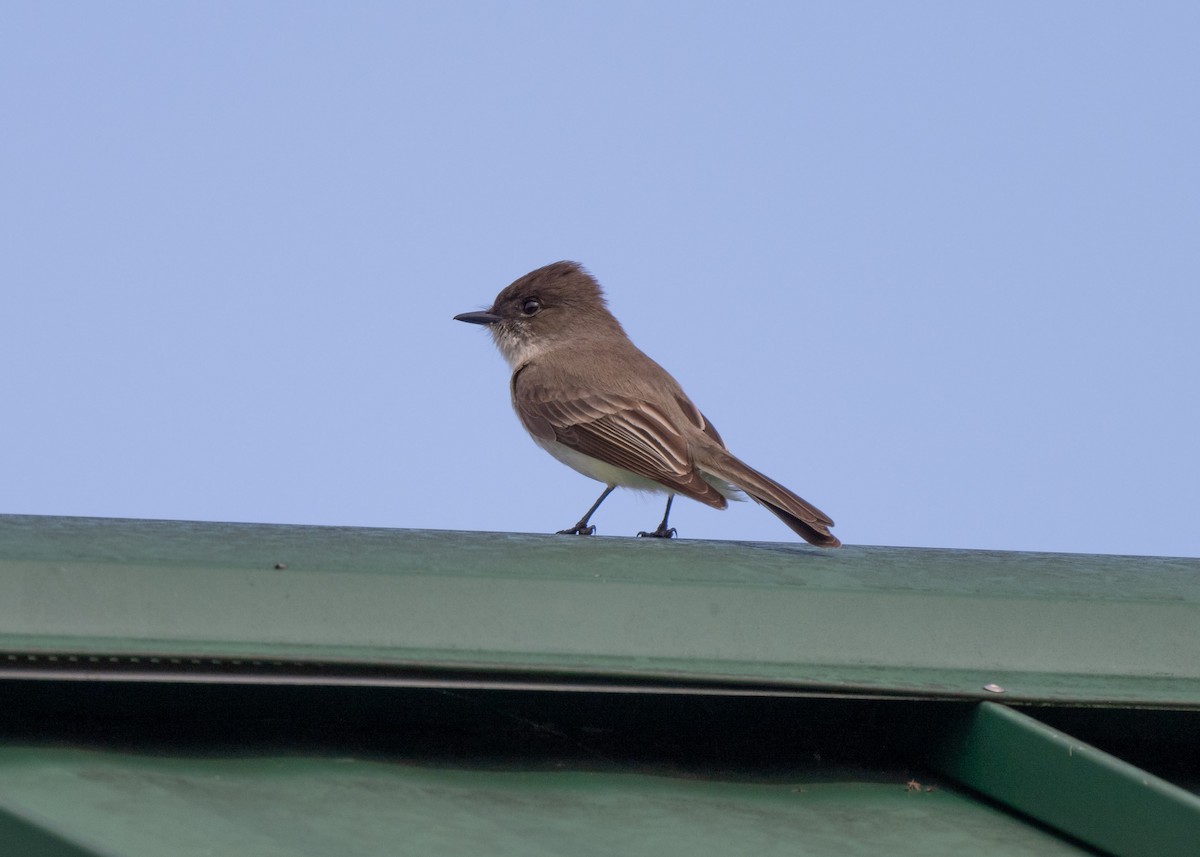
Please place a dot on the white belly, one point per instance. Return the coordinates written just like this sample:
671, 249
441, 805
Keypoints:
597, 469
610, 474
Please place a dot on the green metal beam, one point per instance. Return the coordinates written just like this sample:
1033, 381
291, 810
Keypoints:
909, 622
1070, 786
136, 805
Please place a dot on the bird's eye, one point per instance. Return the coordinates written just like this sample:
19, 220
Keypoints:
531, 306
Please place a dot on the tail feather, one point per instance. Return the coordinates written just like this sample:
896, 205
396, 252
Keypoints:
805, 519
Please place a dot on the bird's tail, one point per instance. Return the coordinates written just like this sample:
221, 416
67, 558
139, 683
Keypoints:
805, 519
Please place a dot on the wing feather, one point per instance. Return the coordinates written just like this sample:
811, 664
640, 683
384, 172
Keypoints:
619, 430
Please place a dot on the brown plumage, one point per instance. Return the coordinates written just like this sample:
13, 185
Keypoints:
592, 399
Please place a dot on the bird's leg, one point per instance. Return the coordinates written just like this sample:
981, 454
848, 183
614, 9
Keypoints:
662, 532
582, 528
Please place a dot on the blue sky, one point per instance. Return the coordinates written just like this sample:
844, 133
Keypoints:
934, 266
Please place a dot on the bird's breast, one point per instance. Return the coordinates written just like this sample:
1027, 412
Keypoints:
596, 469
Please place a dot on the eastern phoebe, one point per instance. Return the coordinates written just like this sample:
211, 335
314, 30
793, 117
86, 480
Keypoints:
594, 401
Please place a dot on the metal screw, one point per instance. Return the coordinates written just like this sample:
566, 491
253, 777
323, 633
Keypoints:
993, 688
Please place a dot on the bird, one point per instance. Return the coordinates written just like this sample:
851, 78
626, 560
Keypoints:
592, 399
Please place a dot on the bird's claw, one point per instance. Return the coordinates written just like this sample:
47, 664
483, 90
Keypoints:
660, 533
578, 530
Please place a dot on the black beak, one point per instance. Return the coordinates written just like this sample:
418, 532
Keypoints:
478, 317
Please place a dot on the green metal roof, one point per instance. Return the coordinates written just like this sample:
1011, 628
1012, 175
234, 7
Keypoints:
280, 807
179, 688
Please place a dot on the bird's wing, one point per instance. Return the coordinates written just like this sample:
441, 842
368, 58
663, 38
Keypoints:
619, 430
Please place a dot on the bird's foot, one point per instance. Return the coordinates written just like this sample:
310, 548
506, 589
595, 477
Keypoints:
580, 529
661, 533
